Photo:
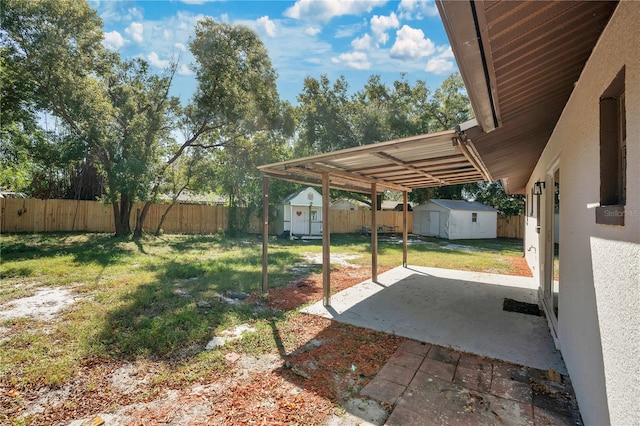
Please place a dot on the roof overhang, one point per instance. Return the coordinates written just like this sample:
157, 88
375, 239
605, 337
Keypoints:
520, 61
430, 160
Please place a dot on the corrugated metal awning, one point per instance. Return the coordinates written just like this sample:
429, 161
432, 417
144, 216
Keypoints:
434, 159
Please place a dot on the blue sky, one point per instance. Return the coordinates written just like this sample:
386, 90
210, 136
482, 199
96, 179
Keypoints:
355, 38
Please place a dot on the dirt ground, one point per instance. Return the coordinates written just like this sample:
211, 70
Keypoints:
309, 382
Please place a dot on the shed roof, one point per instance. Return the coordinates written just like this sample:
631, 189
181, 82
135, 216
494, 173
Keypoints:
463, 205
293, 195
434, 159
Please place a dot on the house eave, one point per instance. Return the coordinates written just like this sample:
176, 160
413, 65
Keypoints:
462, 25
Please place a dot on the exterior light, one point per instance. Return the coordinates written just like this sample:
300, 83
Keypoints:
538, 187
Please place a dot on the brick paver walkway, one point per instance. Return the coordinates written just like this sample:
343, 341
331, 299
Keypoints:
432, 385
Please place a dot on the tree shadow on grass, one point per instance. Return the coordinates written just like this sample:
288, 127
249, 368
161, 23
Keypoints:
182, 308
102, 249
204, 242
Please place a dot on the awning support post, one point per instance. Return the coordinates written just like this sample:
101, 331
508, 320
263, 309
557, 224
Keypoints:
326, 242
374, 233
265, 232
405, 228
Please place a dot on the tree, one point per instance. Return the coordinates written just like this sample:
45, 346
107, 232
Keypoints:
331, 120
115, 109
325, 117
236, 95
492, 194
120, 113
48, 49
140, 134
192, 172
448, 107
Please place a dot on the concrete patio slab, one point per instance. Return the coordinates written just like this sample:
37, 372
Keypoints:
459, 309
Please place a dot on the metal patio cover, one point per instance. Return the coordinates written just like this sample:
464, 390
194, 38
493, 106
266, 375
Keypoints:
429, 160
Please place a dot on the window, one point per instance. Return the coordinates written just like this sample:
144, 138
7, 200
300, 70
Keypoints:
474, 217
613, 154
314, 215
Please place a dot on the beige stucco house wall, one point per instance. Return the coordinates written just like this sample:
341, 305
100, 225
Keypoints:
598, 322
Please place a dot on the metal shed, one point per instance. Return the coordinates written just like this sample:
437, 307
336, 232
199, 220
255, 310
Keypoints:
455, 219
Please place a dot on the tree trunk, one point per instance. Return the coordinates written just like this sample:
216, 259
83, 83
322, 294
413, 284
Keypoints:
116, 219
163, 217
122, 213
137, 233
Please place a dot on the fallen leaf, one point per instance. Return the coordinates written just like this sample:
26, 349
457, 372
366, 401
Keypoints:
232, 357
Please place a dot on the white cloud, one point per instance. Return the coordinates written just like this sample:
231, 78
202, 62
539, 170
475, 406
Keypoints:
133, 14
113, 40
439, 66
181, 47
346, 31
411, 44
112, 11
135, 30
380, 25
324, 11
362, 43
184, 70
417, 9
155, 60
312, 31
443, 62
445, 52
355, 60
268, 25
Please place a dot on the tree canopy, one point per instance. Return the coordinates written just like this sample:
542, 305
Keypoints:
119, 113
119, 136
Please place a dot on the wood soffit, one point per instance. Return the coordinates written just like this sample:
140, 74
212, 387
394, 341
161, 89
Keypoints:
534, 52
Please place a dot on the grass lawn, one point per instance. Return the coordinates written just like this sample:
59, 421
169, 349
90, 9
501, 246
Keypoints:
138, 300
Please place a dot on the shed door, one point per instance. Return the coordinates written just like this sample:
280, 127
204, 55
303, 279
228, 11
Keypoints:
434, 223
300, 220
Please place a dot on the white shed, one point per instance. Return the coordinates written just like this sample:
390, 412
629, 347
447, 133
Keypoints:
455, 219
300, 213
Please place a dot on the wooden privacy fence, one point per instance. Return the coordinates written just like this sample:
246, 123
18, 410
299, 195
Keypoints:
349, 221
33, 215
511, 227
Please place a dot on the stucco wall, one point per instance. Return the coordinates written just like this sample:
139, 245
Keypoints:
599, 302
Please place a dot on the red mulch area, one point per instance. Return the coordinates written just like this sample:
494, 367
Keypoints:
330, 365
339, 358
520, 266
310, 289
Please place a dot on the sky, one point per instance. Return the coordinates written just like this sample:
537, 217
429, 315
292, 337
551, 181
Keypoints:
304, 38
